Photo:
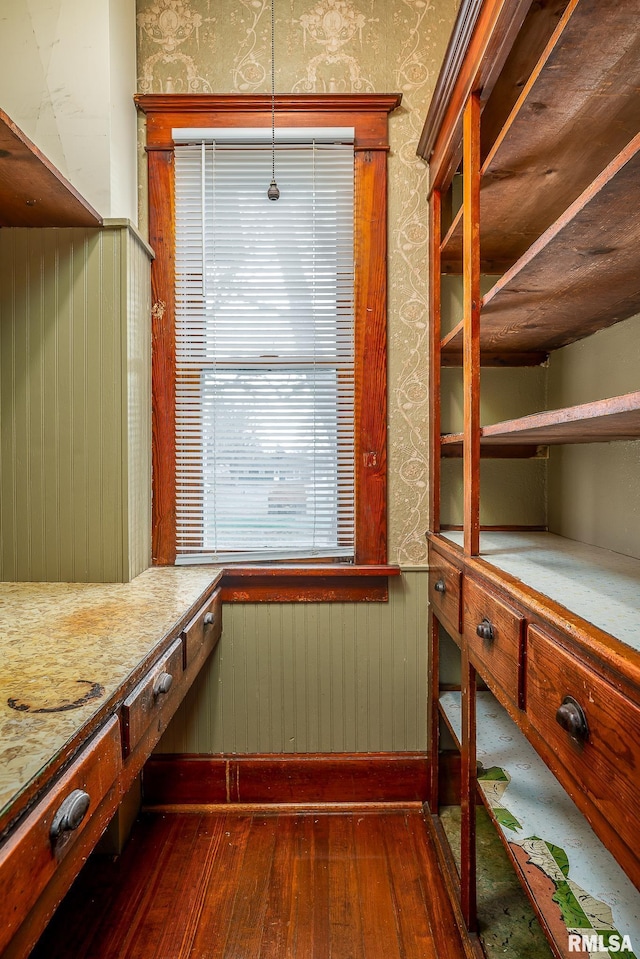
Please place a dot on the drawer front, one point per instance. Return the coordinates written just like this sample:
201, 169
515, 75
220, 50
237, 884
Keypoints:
154, 699
203, 630
444, 591
494, 632
596, 734
35, 849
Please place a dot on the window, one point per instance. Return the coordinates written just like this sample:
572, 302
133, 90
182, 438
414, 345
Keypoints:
264, 349
318, 489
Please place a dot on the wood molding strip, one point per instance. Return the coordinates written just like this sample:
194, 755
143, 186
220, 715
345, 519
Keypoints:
367, 113
312, 584
174, 779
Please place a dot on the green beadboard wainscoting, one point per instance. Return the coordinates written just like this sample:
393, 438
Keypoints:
313, 677
75, 404
594, 494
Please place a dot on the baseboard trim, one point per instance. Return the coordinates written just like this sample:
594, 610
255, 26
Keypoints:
174, 779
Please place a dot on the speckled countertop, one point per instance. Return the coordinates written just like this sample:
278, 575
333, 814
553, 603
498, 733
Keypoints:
68, 650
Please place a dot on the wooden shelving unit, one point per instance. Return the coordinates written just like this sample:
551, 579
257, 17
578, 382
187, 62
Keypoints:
560, 133
531, 813
32, 191
554, 294
541, 127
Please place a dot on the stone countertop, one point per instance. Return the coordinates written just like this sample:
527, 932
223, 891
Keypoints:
70, 653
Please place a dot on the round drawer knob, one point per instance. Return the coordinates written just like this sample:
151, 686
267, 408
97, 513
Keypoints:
485, 630
209, 619
571, 716
440, 586
70, 814
162, 684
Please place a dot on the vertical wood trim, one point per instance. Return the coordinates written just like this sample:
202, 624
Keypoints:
162, 239
435, 308
433, 714
471, 300
468, 795
370, 247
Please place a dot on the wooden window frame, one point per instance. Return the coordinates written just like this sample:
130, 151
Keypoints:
366, 578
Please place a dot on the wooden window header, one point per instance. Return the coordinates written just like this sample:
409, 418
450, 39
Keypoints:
367, 113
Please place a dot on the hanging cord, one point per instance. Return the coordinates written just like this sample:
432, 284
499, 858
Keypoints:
273, 192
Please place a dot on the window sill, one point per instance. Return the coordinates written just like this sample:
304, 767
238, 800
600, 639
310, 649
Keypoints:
307, 584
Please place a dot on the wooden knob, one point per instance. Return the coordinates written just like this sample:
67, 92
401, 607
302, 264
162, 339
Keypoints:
571, 716
485, 630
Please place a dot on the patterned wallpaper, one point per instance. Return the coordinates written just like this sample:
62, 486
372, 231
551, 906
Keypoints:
341, 46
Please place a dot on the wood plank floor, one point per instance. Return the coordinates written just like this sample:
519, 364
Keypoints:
262, 884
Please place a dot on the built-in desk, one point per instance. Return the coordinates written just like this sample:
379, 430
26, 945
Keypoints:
90, 675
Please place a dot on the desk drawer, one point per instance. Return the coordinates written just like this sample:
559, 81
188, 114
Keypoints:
154, 699
494, 632
204, 629
444, 591
35, 849
595, 736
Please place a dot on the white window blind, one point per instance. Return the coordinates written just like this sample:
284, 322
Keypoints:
264, 352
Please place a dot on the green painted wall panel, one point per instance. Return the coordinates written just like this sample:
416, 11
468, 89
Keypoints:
594, 494
299, 677
68, 322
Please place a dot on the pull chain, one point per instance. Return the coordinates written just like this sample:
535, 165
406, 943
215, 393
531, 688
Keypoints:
273, 192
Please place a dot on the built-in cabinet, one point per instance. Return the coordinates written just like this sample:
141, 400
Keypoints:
92, 675
533, 144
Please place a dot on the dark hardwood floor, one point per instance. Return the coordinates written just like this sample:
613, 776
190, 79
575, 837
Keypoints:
262, 884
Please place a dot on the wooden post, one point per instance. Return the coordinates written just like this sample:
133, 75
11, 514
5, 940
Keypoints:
435, 310
162, 238
468, 795
471, 348
434, 713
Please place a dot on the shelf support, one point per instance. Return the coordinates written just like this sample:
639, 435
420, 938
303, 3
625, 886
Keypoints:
471, 324
468, 795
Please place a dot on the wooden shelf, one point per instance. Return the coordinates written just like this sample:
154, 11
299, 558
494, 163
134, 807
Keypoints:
604, 421
32, 191
451, 716
598, 585
565, 128
554, 295
531, 810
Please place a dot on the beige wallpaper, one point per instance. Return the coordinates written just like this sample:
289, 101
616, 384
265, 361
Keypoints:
223, 46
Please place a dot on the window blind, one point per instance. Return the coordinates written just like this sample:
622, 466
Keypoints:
264, 352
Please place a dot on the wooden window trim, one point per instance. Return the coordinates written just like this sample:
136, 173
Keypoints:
368, 114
